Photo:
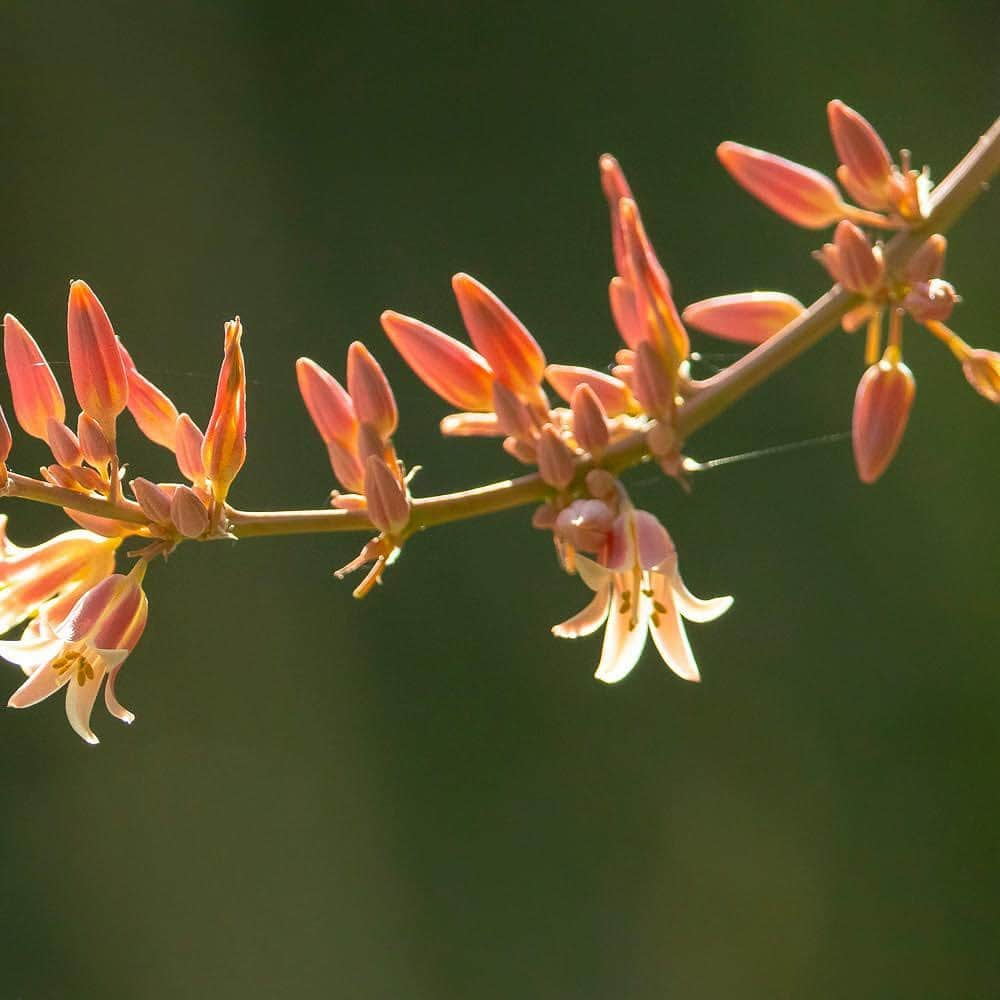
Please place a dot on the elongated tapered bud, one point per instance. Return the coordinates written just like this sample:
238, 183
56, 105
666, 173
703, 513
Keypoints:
982, 369
590, 422
95, 361
33, 387
881, 410
347, 467
445, 365
867, 166
500, 337
745, 317
615, 187
370, 391
659, 321
93, 442
188, 513
64, 444
328, 403
928, 261
513, 417
652, 383
6, 443
151, 408
555, 460
189, 441
154, 501
612, 392
388, 504
799, 194
851, 260
625, 311
225, 447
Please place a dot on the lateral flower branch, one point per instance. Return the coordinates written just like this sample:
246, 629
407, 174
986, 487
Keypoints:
82, 618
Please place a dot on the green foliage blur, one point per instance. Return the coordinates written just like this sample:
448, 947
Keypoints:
425, 795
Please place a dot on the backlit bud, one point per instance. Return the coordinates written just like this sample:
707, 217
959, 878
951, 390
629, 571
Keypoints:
615, 187
370, 391
346, 467
799, 194
189, 441
982, 369
612, 392
555, 460
928, 261
93, 442
388, 504
513, 417
500, 337
866, 161
652, 383
6, 442
328, 403
471, 425
225, 446
446, 366
853, 261
930, 301
590, 422
370, 442
188, 513
625, 311
745, 317
521, 450
585, 524
34, 389
881, 410
95, 361
151, 408
154, 501
64, 444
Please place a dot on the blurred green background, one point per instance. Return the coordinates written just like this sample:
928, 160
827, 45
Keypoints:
424, 794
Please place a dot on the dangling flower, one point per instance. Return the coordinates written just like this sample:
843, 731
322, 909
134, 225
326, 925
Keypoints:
91, 642
639, 592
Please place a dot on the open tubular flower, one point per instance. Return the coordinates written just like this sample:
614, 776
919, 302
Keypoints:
89, 644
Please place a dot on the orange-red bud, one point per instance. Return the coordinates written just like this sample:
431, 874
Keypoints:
346, 466
500, 337
590, 422
881, 410
370, 391
188, 513
154, 500
625, 311
95, 361
867, 166
445, 365
34, 389
928, 261
555, 460
982, 369
6, 442
745, 317
328, 403
799, 194
96, 449
388, 504
151, 408
652, 383
615, 187
189, 441
612, 392
64, 444
852, 261
513, 417
225, 447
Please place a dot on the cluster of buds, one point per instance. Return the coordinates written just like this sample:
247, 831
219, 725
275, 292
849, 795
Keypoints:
83, 618
891, 197
356, 425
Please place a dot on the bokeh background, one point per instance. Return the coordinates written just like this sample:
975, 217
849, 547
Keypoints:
424, 794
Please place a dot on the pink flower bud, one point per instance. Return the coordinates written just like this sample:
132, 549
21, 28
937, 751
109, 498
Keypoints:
612, 392
555, 460
513, 417
625, 311
446, 366
585, 524
852, 261
745, 317
615, 187
500, 337
154, 501
95, 361
370, 442
930, 301
328, 404
590, 422
6, 443
224, 449
388, 503
64, 444
521, 450
33, 387
982, 369
370, 391
189, 441
151, 408
862, 152
928, 261
799, 194
881, 410
652, 383
346, 466
93, 442
188, 513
